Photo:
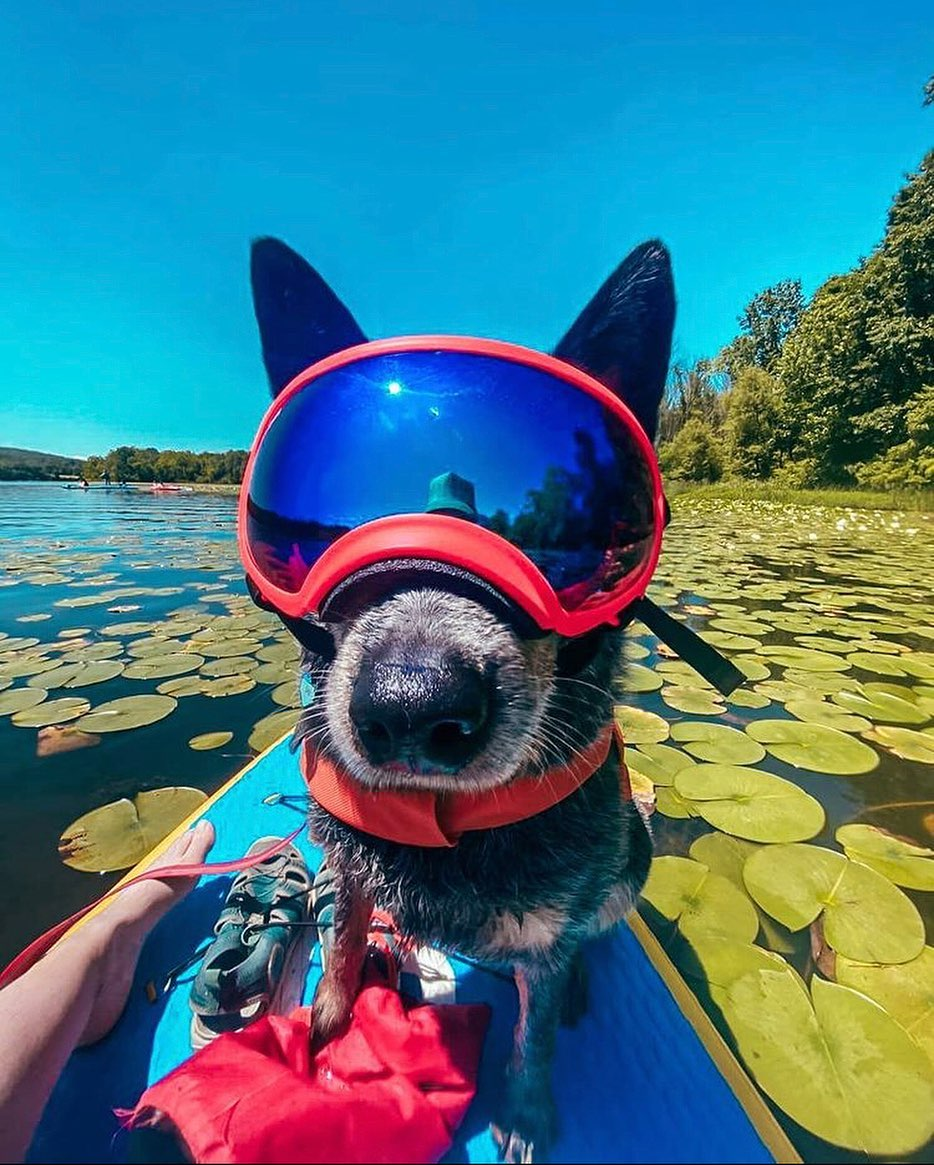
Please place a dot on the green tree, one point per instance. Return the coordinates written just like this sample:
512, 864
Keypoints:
695, 453
690, 392
864, 348
754, 424
765, 323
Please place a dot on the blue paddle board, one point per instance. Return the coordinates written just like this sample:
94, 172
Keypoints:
644, 1077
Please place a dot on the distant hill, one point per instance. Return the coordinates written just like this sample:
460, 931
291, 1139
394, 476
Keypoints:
30, 465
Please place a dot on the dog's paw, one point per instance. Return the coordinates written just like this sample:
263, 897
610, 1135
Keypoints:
576, 996
526, 1132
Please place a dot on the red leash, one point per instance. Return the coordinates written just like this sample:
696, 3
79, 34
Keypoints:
40, 946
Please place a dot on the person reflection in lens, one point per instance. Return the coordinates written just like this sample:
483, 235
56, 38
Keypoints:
453, 496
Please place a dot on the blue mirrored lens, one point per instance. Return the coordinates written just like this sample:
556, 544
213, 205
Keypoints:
517, 450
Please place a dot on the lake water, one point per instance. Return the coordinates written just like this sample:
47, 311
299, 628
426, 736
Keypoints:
829, 610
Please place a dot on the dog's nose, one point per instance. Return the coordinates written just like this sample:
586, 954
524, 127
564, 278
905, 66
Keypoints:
427, 715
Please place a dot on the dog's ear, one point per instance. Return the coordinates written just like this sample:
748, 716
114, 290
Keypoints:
300, 318
623, 336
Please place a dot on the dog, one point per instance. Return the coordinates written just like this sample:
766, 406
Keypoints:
525, 895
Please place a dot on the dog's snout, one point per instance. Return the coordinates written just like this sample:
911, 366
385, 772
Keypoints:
426, 715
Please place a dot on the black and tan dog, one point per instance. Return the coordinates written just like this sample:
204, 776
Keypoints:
420, 659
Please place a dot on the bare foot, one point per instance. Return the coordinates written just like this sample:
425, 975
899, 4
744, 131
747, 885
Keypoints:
122, 927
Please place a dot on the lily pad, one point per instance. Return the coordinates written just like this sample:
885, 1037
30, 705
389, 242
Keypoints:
107, 649
158, 667
227, 648
905, 990
189, 685
670, 803
899, 861
127, 712
268, 730
133, 627
236, 665
842, 1068
227, 686
18, 699
805, 659
638, 678
693, 701
275, 673
208, 740
659, 762
278, 652
726, 641
120, 834
824, 683
864, 916
904, 742
15, 670
829, 715
639, 726
753, 669
81, 675
51, 712
882, 706
700, 901
737, 625
742, 698
717, 743
751, 804
286, 695
878, 664
813, 747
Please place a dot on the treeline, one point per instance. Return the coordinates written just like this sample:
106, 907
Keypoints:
31, 465
837, 391
130, 463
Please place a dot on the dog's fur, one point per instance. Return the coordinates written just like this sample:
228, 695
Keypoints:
525, 895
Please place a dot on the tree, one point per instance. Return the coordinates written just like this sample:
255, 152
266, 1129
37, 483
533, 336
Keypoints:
864, 348
765, 323
754, 424
694, 454
690, 392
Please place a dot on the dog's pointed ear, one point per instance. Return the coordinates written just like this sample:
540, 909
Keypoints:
623, 336
300, 318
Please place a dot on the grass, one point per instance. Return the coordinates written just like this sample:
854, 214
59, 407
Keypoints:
914, 501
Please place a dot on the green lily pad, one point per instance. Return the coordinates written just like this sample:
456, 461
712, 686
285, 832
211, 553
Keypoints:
80, 675
227, 685
682, 675
155, 645
287, 695
39, 617
120, 834
235, 665
634, 651
639, 726
753, 669
878, 664
127, 712
918, 664
904, 742
268, 730
820, 712
822, 643
740, 626
693, 701
899, 861
751, 804
813, 747
865, 917
825, 683
670, 803
882, 706
842, 1068
279, 652
275, 673
717, 743
700, 901
208, 740
806, 659
725, 641
133, 627
781, 691
189, 685
51, 712
638, 678
658, 762
226, 648
18, 699
905, 990
107, 649
30, 666
159, 667
742, 698
724, 855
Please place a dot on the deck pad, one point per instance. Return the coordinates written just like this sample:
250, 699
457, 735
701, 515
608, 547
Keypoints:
634, 1081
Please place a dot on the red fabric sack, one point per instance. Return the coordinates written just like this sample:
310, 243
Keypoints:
393, 1088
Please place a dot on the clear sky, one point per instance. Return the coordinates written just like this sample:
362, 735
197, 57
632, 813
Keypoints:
477, 167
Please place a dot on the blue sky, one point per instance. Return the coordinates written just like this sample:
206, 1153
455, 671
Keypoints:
473, 168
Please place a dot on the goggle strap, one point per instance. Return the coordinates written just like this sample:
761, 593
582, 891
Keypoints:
313, 638
706, 660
